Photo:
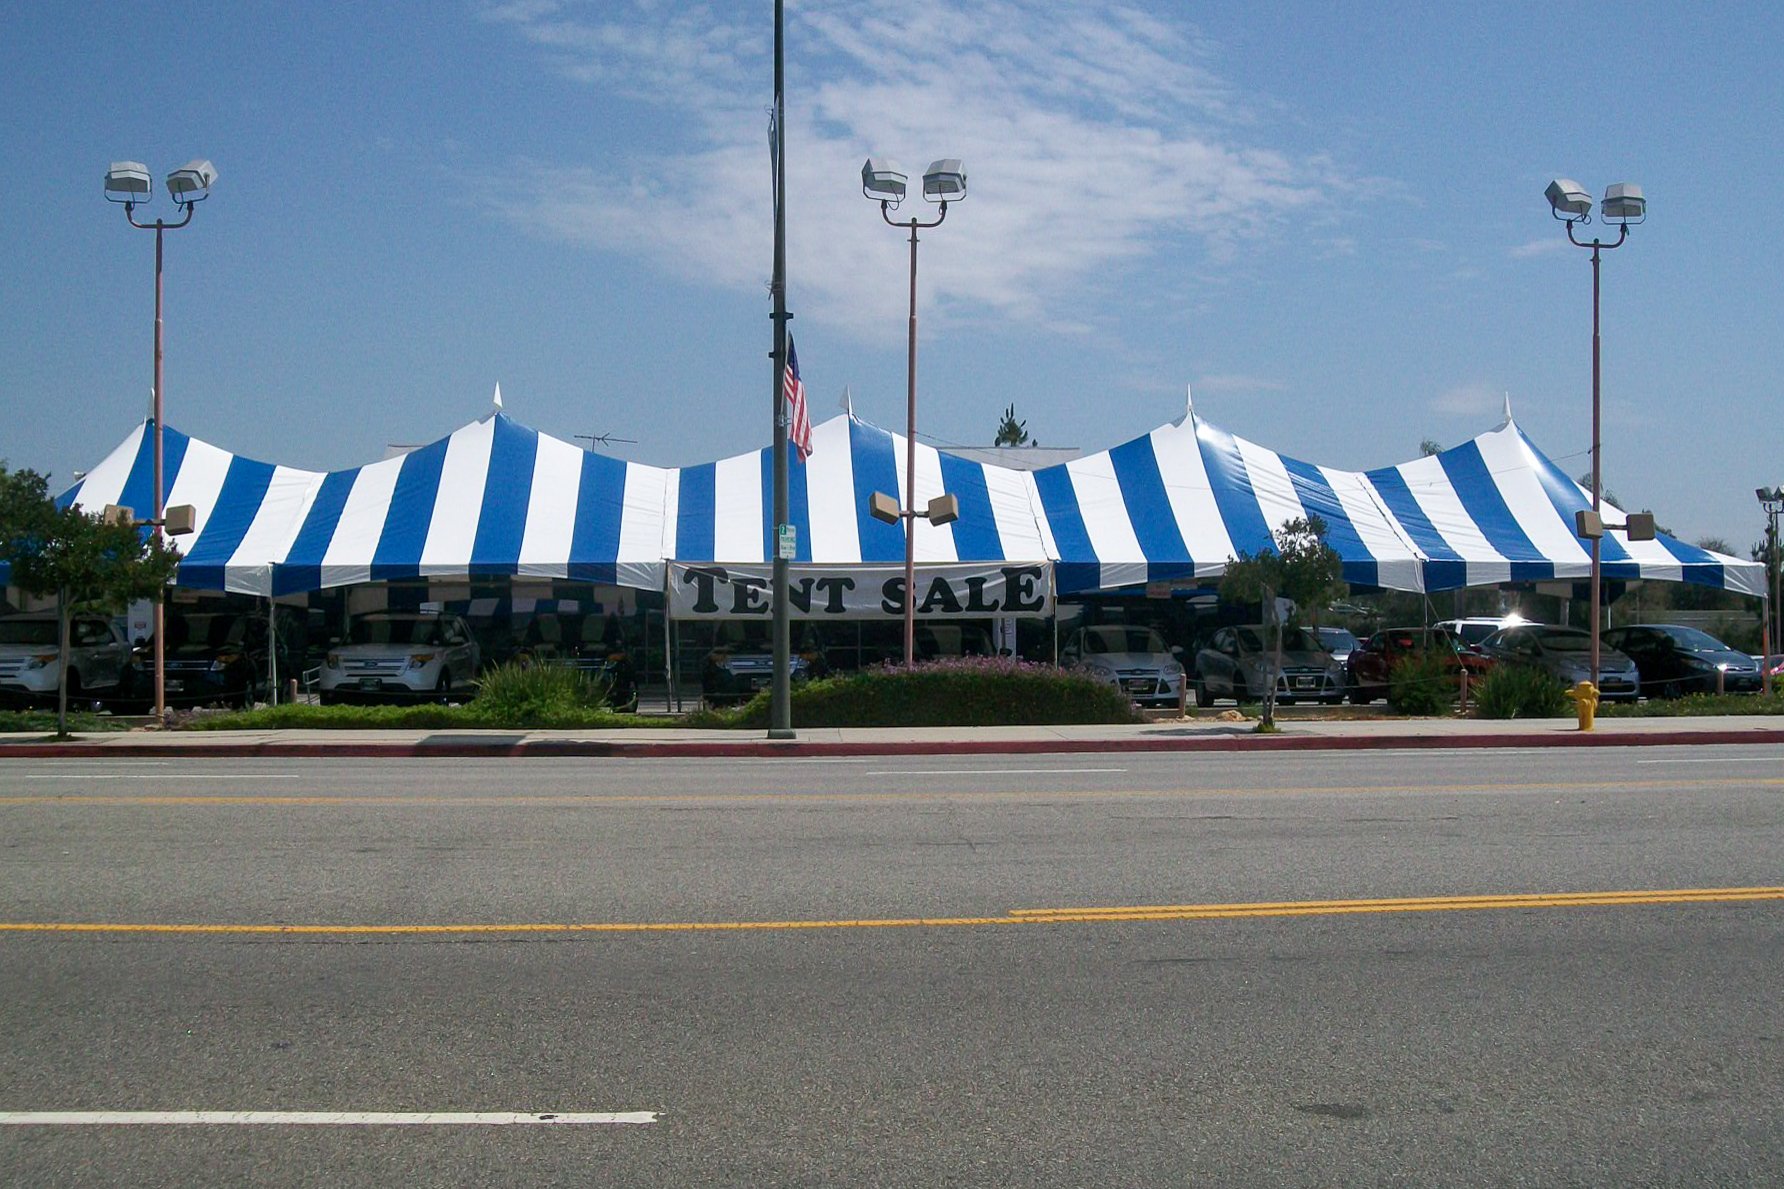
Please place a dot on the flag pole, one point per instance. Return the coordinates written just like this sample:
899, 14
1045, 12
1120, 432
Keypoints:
780, 712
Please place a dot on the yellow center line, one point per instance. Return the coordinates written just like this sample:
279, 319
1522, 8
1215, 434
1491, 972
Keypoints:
1022, 916
536, 800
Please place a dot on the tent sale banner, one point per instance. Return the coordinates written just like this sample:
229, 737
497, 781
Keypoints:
966, 590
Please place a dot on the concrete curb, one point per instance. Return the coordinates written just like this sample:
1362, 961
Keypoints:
460, 746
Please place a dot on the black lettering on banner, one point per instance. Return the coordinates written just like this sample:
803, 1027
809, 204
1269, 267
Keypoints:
703, 580
1019, 589
975, 595
941, 595
892, 596
834, 589
747, 597
799, 594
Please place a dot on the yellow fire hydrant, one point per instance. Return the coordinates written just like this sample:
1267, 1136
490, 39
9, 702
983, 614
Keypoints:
1585, 702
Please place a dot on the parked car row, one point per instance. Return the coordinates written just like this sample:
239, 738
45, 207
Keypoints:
220, 657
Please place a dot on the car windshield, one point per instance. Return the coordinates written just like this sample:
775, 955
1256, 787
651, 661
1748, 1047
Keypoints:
207, 631
1336, 638
28, 631
1695, 640
394, 631
1474, 633
1567, 641
1293, 640
1113, 638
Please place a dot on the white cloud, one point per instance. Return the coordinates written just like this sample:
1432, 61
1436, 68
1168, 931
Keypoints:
1090, 136
1476, 400
1538, 247
1235, 382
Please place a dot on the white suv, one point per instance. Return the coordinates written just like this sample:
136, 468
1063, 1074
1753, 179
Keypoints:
99, 658
401, 656
1476, 628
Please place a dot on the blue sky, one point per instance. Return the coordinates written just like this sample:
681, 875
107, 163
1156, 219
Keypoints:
1326, 219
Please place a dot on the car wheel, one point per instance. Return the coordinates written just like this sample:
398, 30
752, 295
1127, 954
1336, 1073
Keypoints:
1359, 696
1240, 694
443, 687
1672, 689
1204, 696
1332, 700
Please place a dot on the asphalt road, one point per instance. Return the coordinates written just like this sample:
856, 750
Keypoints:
888, 972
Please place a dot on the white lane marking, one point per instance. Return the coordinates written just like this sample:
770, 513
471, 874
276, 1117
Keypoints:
988, 771
166, 776
314, 1118
1724, 760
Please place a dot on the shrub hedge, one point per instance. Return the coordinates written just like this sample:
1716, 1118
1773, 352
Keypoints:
1519, 691
967, 692
1423, 683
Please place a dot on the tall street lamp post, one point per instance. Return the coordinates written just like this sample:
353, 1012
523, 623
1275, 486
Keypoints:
1623, 205
1772, 500
128, 182
943, 182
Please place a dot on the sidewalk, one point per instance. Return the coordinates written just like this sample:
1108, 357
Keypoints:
1166, 735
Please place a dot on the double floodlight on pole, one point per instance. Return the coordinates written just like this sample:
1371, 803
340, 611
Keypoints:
883, 182
1623, 205
129, 183
1772, 500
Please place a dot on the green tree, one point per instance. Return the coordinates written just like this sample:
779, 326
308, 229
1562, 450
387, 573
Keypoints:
1428, 447
1012, 432
75, 556
1301, 568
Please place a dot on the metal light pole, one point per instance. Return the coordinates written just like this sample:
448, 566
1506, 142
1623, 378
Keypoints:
1772, 500
1623, 205
944, 180
780, 697
128, 182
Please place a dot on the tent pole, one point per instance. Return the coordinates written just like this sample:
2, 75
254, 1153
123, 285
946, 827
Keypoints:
272, 653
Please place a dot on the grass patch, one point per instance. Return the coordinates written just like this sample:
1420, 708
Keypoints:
972, 692
1696, 706
39, 721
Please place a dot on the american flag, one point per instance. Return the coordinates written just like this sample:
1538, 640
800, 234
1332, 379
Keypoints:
798, 419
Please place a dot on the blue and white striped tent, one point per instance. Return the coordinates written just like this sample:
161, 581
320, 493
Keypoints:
491, 498
723, 511
497, 498
1175, 504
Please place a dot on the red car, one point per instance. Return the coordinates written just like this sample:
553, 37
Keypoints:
1369, 665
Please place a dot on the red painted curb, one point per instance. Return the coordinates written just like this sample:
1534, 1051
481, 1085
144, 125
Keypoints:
497, 746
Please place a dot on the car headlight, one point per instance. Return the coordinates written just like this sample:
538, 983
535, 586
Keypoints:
421, 660
332, 660
1701, 665
40, 660
1172, 669
224, 660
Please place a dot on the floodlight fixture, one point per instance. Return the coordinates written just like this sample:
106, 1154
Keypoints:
943, 509
192, 181
1569, 200
883, 181
180, 520
129, 181
1588, 525
945, 180
1623, 203
118, 514
1770, 495
884, 507
1640, 526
